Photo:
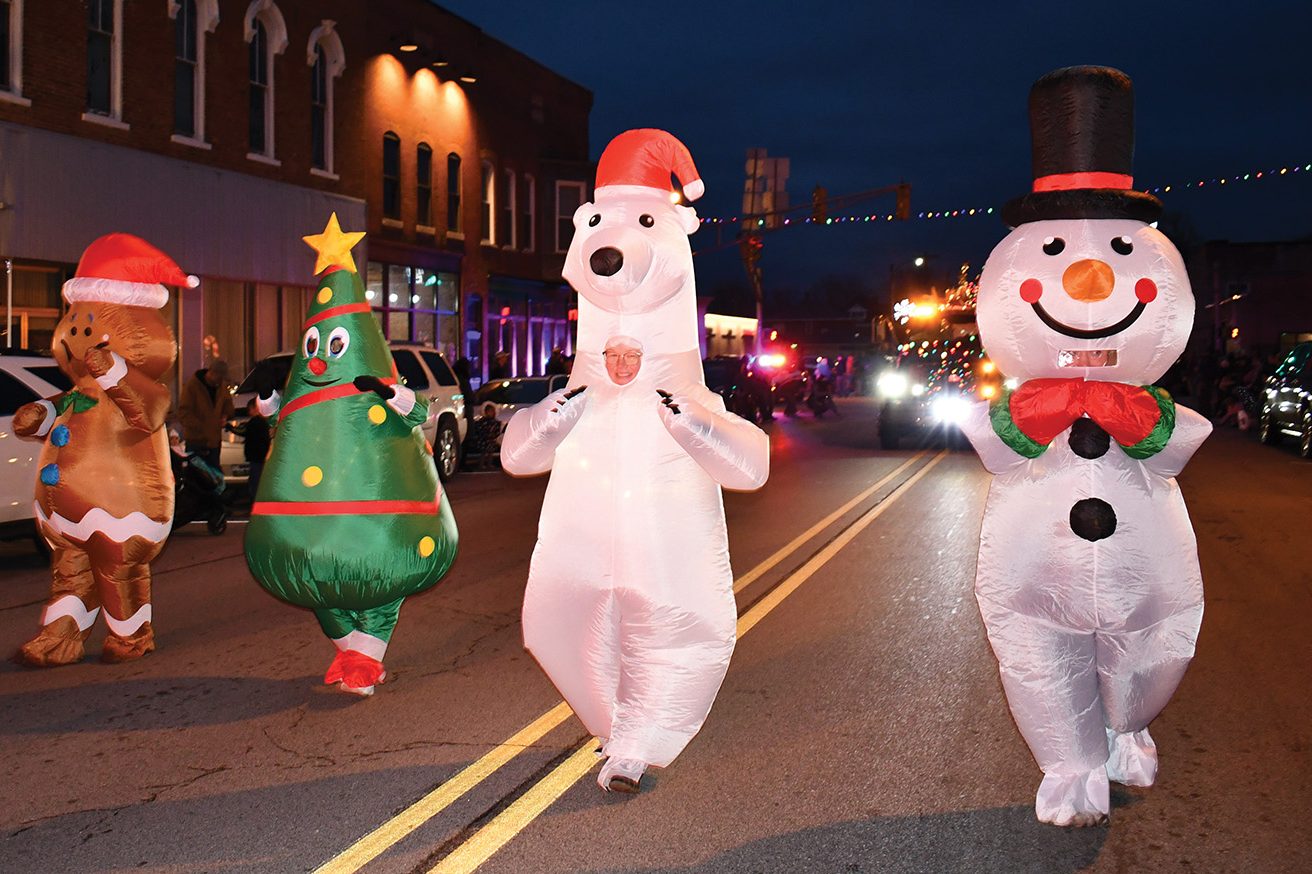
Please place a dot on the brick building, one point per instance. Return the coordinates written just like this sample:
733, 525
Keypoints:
1253, 296
224, 130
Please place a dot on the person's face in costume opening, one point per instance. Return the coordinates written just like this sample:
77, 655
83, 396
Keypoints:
623, 363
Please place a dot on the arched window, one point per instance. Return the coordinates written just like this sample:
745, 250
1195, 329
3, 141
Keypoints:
192, 19
528, 230
11, 51
506, 223
391, 176
424, 185
453, 195
488, 218
105, 59
327, 60
266, 35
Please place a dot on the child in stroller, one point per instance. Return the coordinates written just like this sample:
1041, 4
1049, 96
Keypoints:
198, 488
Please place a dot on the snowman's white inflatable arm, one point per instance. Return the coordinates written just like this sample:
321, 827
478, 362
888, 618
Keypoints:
731, 449
529, 445
998, 457
1191, 429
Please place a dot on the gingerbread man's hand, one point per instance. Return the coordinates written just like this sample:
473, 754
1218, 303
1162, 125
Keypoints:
99, 360
29, 417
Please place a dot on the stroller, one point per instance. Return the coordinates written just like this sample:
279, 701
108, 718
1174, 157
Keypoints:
199, 492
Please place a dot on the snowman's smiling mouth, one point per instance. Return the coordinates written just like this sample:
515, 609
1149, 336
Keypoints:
1092, 333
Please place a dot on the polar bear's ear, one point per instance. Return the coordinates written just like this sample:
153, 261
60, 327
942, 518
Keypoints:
687, 219
582, 213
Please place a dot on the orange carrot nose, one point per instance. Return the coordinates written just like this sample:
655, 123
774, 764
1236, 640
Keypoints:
317, 366
1088, 280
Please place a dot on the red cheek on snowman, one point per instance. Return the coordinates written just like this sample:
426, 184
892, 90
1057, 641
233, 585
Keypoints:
1031, 290
1146, 290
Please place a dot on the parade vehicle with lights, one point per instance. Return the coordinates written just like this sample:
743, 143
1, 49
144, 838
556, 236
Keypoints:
743, 383
939, 370
781, 366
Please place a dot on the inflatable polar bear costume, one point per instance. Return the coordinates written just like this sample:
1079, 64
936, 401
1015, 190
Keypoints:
629, 606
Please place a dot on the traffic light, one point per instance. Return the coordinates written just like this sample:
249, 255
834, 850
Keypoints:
903, 201
751, 245
819, 205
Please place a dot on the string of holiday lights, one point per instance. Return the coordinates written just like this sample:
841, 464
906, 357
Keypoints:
970, 212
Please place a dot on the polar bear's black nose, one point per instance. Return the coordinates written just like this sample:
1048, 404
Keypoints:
606, 261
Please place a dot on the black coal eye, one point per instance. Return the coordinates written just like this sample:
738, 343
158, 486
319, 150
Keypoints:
646, 221
594, 221
1122, 245
1053, 246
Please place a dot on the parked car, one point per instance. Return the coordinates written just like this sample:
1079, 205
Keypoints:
24, 377
421, 368
746, 392
511, 395
929, 397
1287, 401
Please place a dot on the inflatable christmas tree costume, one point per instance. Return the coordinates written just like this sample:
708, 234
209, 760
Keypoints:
349, 518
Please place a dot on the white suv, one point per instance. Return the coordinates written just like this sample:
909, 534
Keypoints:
421, 368
24, 377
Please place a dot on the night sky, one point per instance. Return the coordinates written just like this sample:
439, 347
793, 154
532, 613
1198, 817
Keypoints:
861, 95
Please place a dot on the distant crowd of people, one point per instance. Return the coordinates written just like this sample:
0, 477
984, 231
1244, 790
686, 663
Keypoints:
1226, 387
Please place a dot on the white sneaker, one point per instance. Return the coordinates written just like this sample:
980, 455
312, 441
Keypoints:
621, 775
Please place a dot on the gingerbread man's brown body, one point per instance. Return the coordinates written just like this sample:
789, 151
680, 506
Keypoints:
104, 496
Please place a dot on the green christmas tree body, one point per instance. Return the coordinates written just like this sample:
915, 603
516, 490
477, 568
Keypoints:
350, 517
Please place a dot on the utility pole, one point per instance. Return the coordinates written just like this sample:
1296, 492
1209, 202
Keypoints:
765, 199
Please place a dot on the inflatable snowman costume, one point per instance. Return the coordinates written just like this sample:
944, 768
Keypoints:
1088, 577
629, 606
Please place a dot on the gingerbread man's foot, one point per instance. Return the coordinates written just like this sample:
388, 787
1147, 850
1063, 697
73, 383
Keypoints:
125, 649
355, 672
1075, 800
59, 643
1133, 758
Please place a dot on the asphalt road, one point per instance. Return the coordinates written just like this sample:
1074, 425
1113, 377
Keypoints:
861, 727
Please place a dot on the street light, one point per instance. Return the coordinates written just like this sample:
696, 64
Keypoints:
920, 261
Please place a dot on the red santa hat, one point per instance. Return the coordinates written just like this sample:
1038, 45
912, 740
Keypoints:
647, 157
123, 269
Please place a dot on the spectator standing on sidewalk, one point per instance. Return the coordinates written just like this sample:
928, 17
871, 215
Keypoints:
204, 406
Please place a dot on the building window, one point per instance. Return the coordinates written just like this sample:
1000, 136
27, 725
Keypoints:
319, 111
506, 224
453, 193
259, 90
391, 176
417, 305
103, 20
569, 197
11, 46
327, 60
185, 78
528, 229
424, 185
266, 35
487, 219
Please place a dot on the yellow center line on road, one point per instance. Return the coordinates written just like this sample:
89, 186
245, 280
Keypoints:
755, 573
466, 858
374, 844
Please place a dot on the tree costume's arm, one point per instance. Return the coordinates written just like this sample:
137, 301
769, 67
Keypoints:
269, 407
408, 405
731, 449
532, 436
142, 400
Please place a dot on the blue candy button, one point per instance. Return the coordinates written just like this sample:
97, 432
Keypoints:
59, 436
50, 474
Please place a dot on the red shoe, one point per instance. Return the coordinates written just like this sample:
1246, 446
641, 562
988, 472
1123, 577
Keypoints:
355, 672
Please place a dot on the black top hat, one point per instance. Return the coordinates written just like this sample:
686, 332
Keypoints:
1082, 133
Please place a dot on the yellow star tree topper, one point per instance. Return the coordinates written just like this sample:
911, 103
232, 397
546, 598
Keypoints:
333, 247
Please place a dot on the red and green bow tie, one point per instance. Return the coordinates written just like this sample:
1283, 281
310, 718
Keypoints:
1138, 417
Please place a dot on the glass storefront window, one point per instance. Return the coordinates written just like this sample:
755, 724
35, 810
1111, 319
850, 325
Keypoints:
415, 304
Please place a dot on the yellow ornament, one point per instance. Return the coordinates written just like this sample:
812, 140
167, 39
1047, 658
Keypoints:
325, 295
312, 476
426, 546
333, 247
377, 414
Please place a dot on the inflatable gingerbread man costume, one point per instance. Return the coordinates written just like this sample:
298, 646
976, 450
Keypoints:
104, 494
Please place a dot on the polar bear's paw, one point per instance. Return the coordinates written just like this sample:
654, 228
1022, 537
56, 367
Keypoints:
1074, 800
1133, 757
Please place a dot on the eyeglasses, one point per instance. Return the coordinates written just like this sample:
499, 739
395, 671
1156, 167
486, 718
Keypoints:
629, 358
